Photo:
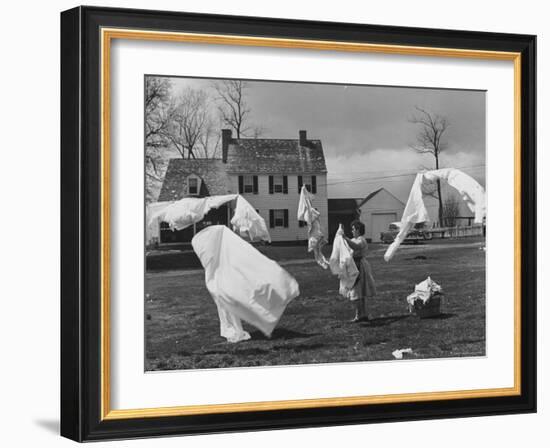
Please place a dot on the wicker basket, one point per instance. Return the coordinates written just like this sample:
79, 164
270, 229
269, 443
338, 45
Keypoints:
431, 308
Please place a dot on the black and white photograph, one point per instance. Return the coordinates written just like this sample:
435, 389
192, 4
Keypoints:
293, 223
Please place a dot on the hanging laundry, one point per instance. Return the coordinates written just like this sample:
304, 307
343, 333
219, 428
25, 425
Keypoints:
415, 210
342, 264
248, 222
470, 190
244, 283
188, 211
152, 227
316, 239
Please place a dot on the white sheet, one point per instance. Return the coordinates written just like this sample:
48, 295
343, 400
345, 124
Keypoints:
248, 222
415, 210
188, 211
152, 226
470, 190
342, 264
243, 282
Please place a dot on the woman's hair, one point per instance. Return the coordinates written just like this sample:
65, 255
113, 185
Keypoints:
359, 226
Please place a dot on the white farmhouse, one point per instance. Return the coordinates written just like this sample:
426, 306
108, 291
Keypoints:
269, 173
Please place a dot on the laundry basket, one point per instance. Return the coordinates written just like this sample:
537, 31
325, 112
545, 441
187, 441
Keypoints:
430, 308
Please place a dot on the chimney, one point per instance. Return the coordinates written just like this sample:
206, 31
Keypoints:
303, 138
226, 137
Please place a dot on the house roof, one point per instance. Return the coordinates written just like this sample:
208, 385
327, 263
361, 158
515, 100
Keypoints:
373, 194
343, 205
212, 172
275, 156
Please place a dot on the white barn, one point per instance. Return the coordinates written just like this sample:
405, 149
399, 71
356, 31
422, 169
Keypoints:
377, 211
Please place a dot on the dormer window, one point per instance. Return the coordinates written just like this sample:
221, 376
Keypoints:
193, 185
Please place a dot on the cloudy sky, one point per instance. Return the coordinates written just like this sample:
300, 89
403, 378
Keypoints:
366, 130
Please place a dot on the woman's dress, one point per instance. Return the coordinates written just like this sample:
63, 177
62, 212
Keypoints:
364, 285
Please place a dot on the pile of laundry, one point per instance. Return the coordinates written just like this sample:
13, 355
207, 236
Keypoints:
425, 301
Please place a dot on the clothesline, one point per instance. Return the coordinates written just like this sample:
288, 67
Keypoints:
369, 179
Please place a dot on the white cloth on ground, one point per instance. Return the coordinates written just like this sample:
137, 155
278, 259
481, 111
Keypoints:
248, 222
316, 238
342, 264
415, 210
243, 282
398, 354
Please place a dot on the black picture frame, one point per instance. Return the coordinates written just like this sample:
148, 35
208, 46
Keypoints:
81, 224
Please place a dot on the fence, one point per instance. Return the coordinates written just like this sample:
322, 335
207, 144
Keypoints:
458, 231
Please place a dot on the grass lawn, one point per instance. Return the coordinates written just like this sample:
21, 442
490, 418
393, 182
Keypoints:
182, 327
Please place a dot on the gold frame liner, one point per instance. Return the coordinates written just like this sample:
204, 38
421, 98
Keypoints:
107, 35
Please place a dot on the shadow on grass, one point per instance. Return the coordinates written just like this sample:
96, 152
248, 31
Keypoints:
441, 316
384, 321
281, 333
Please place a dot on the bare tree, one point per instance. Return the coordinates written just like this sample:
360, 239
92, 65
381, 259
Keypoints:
451, 211
233, 107
430, 140
158, 115
189, 122
209, 142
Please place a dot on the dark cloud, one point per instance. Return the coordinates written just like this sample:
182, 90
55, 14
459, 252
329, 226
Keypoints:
366, 128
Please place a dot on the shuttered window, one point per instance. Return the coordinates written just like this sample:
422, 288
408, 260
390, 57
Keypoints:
310, 183
278, 184
278, 218
248, 184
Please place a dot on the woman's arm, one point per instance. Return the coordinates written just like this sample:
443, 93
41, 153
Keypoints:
352, 244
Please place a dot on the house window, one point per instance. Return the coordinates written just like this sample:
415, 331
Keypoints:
278, 218
310, 182
278, 184
248, 184
193, 185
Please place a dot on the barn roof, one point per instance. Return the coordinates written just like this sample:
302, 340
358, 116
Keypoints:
212, 172
275, 156
374, 193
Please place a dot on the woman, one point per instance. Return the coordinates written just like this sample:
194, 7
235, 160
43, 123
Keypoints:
364, 285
